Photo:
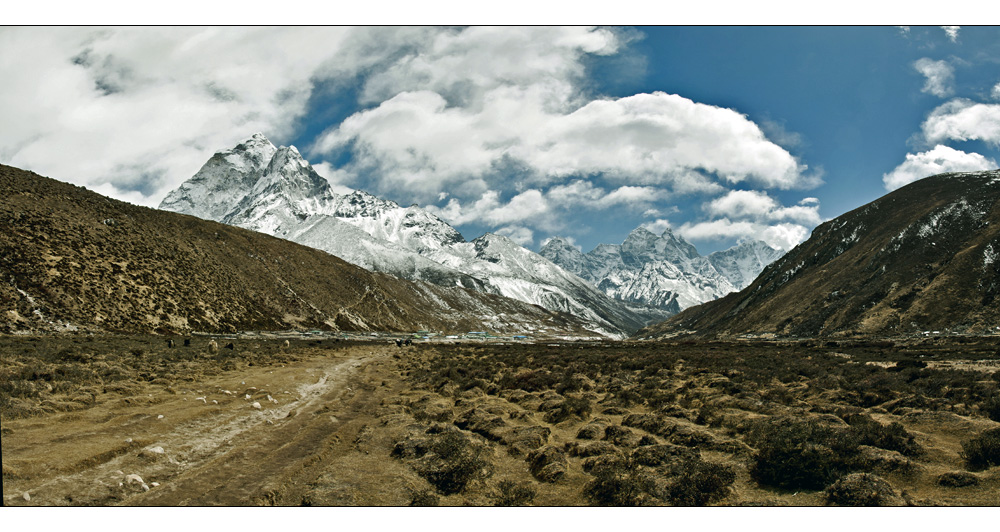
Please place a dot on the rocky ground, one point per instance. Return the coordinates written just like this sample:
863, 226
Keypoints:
127, 420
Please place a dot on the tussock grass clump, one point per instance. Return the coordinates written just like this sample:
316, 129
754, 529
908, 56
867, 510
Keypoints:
448, 460
620, 482
682, 479
510, 493
893, 436
957, 479
863, 489
983, 451
794, 454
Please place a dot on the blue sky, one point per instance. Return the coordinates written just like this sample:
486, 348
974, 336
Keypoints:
719, 133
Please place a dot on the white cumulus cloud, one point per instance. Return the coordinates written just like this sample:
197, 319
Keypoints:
940, 76
742, 214
939, 160
963, 119
132, 112
519, 234
951, 32
782, 236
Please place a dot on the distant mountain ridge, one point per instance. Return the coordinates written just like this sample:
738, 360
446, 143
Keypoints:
664, 271
921, 259
283, 196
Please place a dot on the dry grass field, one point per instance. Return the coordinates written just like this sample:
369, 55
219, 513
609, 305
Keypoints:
127, 420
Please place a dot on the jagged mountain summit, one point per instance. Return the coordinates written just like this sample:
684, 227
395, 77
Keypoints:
920, 260
284, 196
664, 271
72, 259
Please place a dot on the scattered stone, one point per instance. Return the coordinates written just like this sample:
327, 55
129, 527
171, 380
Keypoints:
26, 496
154, 484
202, 399
133, 479
159, 416
214, 402
156, 450
256, 405
246, 397
128, 440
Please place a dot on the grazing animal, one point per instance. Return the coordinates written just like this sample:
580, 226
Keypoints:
213, 347
187, 342
230, 346
170, 343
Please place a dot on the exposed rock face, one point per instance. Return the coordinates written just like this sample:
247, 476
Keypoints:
920, 260
282, 195
70, 258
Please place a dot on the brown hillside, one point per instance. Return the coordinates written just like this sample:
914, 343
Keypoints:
71, 258
923, 258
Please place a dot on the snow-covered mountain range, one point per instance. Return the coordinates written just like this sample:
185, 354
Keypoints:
274, 190
617, 288
663, 271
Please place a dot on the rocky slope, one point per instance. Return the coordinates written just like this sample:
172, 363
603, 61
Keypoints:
665, 272
922, 259
70, 258
275, 191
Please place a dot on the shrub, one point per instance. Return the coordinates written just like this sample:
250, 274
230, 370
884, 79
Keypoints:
655, 455
424, 498
698, 483
991, 407
510, 493
571, 407
793, 454
957, 479
547, 464
863, 489
449, 461
591, 431
893, 436
619, 482
982, 451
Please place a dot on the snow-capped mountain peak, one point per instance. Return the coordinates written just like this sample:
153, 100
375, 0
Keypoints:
223, 180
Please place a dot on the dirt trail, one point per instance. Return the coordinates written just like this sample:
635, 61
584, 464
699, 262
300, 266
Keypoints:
211, 446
